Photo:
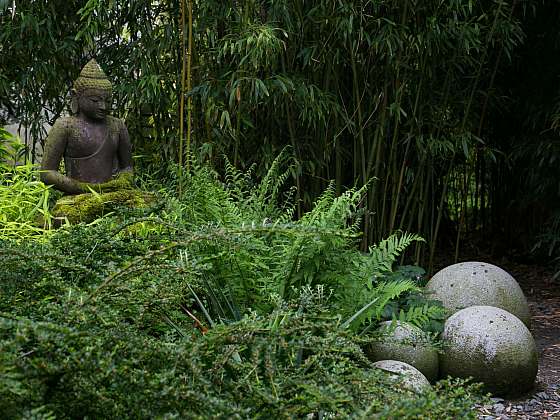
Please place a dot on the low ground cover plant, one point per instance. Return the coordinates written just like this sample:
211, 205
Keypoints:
212, 304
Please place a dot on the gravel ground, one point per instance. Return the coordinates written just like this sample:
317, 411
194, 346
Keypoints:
539, 405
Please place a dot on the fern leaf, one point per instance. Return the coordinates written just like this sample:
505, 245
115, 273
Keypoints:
377, 299
384, 254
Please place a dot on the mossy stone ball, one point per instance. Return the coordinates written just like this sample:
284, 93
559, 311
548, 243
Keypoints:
407, 343
477, 283
408, 376
492, 346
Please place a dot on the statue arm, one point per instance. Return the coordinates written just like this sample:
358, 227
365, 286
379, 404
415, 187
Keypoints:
52, 155
124, 151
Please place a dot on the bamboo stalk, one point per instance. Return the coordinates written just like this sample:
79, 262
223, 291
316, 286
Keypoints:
474, 89
433, 241
423, 208
182, 98
398, 188
358, 101
296, 157
479, 185
189, 85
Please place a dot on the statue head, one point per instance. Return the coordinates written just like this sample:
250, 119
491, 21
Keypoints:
91, 94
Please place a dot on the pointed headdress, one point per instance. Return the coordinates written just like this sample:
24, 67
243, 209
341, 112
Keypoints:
92, 77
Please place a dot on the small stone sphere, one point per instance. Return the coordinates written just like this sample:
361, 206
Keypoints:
477, 283
492, 346
408, 376
406, 343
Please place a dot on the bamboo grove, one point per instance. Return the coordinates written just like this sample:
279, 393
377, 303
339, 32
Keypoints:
395, 95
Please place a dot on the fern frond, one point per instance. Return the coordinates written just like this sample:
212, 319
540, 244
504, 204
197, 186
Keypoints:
392, 290
334, 212
384, 254
260, 200
270, 185
422, 315
376, 299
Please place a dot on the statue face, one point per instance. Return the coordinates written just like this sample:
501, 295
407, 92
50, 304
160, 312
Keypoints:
94, 103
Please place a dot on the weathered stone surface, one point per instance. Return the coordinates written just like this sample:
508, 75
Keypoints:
406, 343
94, 146
477, 283
88, 207
408, 376
492, 346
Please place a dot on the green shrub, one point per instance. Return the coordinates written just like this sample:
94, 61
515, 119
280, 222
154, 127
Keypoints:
216, 304
293, 362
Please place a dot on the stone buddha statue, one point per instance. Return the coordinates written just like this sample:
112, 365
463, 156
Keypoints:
96, 151
95, 146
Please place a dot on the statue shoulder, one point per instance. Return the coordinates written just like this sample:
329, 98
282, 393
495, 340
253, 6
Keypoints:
114, 121
116, 125
63, 125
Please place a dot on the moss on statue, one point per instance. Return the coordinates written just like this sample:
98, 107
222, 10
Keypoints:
88, 207
97, 154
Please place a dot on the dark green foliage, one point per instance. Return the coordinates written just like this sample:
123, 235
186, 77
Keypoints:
548, 242
523, 196
415, 307
443, 110
193, 311
287, 364
39, 58
392, 95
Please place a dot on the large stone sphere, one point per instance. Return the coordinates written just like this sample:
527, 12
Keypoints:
407, 343
476, 283
492, 346
408, 376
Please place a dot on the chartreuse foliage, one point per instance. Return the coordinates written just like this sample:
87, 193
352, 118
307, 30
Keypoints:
24, 200
24, 204
217, 305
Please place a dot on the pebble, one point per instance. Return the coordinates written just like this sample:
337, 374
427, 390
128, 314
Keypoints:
541, 405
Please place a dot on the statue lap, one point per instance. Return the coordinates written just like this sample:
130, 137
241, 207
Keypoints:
85, 208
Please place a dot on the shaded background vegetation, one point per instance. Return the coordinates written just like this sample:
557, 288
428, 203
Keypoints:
448, 111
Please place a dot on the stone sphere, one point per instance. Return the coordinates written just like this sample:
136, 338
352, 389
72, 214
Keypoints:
477, 283
406, 343
408, 376
492, 346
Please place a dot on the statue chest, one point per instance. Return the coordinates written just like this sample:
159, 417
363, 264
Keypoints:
91, 151
90, 140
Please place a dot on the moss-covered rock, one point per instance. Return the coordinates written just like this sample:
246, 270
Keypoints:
406, 375
88, 207
478, 284
406, 343
492, 346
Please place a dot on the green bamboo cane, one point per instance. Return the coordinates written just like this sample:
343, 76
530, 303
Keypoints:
189, 84
182, 98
